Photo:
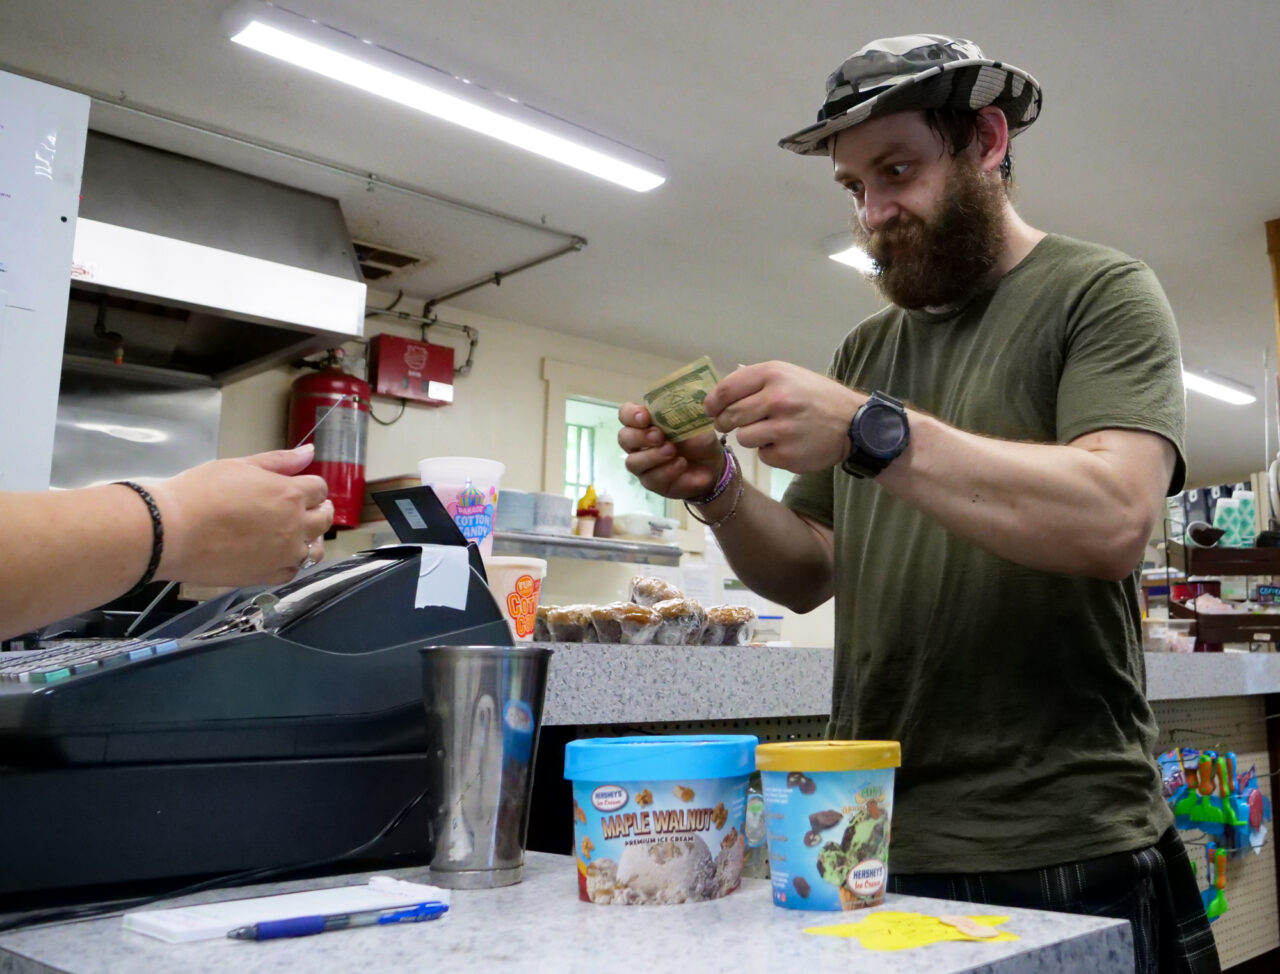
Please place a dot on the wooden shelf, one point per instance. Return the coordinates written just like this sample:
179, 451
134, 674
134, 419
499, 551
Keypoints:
1223, 561
1225, 627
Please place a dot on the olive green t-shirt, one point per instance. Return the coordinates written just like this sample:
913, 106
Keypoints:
1018, 695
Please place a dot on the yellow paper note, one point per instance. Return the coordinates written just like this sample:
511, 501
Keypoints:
888, 930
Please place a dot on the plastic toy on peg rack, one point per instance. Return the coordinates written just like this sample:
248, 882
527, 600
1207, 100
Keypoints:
1209, 794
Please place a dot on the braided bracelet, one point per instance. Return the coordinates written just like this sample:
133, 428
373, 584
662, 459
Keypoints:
713, 525
730, 470
157, 535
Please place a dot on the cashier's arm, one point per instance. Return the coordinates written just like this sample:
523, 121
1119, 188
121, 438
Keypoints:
230, 522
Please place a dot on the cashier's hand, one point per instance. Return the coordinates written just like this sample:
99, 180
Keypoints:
798, 420
249, 521
681, 470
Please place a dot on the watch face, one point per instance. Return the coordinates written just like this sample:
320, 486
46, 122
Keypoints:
880, 430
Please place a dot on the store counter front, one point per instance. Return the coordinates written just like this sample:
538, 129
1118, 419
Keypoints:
1223, 701
541, 925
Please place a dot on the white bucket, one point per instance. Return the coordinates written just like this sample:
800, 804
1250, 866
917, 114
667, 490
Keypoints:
516, 584
468, 488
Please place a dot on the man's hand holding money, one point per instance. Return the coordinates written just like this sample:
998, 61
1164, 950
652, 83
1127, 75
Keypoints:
679, 470
670, 441
798, 420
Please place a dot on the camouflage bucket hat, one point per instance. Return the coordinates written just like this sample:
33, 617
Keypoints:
913, 73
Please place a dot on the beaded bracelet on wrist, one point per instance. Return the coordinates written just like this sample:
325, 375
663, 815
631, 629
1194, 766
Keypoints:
731, 470
157, 535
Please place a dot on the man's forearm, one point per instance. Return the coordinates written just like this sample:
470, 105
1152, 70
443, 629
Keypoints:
774, 551
1075, 509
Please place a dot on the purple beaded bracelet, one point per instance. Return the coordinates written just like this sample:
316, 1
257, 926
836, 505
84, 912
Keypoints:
726, 478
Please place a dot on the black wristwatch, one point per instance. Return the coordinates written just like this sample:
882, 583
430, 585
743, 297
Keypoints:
877, 434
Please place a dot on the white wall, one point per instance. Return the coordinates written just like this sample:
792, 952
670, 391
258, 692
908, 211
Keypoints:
499, 411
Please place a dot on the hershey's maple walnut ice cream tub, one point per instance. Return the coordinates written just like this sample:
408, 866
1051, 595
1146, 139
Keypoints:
828, 806
659, 819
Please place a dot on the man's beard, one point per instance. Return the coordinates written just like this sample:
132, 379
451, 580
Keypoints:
940, 262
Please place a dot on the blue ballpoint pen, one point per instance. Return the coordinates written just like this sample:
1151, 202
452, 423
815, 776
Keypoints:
305, 926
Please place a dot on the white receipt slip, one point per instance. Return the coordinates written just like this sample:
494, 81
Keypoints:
209, 920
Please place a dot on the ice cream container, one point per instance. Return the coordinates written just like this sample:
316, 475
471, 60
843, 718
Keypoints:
516, 584
468, 488
659, 819
828, 806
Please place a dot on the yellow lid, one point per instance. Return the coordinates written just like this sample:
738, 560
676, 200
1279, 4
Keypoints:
828, 755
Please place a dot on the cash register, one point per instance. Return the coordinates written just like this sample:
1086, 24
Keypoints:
276, 727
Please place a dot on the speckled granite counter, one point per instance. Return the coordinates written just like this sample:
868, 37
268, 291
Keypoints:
595, 684
1186, 676
539, 925
603, 684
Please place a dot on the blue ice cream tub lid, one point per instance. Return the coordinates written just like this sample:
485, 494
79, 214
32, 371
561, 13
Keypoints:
660, 758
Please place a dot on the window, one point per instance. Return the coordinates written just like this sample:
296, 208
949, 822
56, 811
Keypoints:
579, 457
592, 457
779, 481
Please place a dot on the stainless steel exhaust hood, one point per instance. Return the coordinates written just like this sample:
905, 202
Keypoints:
192, 268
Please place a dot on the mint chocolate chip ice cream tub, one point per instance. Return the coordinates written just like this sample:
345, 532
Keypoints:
828, 806
659, 819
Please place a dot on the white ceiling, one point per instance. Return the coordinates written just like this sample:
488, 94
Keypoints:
1159, 133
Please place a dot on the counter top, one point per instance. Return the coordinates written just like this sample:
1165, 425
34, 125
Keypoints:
1185, 676
605, 684
540, 925
591, 683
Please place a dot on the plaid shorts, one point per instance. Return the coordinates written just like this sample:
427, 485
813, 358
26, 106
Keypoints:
1153, 888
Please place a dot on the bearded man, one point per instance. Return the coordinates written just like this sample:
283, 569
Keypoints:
978, 475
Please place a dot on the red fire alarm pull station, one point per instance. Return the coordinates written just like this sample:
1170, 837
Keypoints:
405, 369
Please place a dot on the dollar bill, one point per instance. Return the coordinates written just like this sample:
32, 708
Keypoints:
675, 403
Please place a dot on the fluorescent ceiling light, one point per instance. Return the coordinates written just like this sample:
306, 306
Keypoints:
1228, 390
342, 57
840, 247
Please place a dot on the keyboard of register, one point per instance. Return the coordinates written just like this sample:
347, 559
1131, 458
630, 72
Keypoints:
59, 660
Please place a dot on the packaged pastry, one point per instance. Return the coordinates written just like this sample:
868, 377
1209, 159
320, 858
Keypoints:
541, 631
682, 622
624, 622
648, 589
569, 624
729, 625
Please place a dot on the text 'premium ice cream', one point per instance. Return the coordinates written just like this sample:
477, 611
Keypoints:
659, 819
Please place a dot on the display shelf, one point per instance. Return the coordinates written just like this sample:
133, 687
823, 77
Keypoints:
1223, 561
1218, 628
593, 549
1243, 627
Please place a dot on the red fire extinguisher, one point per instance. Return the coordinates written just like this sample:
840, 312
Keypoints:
331, 409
